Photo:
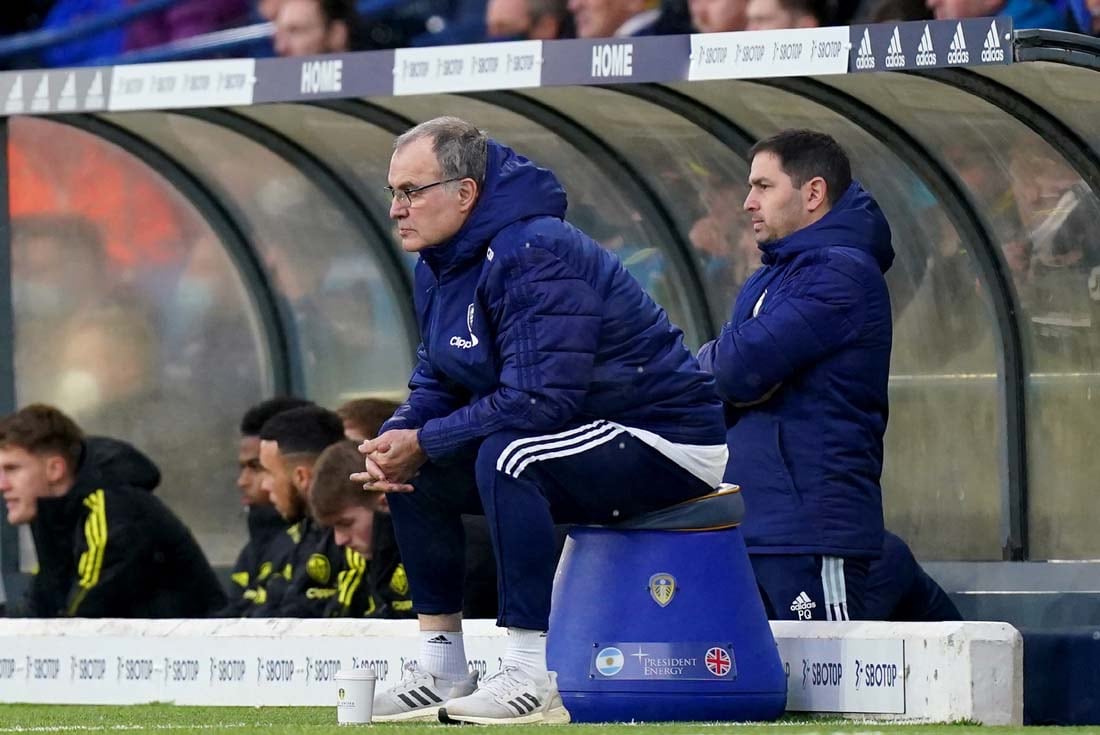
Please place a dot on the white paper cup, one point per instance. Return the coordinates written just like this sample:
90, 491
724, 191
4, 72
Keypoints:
354, 696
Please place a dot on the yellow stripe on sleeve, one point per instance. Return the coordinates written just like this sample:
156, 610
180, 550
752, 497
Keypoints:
90, 565
350, 578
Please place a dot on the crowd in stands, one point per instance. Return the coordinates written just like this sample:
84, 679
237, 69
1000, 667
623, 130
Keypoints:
306, 27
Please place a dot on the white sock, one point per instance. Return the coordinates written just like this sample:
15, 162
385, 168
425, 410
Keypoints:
527, 652
443, 655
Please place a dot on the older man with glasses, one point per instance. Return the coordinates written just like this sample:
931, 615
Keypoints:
549, 386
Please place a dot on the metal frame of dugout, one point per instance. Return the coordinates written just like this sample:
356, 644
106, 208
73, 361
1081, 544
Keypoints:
986, 455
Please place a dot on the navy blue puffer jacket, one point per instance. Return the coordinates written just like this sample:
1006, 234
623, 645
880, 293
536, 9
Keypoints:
803, 366
527, 324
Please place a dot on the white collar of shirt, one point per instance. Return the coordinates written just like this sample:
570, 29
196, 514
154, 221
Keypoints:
637, 22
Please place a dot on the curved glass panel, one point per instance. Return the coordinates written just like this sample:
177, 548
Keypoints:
130, 316
1072, 94
943, 383
596, 205
357, 151
342, 302
1046, 220
701, 181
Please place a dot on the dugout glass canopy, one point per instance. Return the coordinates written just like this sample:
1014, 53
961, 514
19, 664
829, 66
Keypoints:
186, 239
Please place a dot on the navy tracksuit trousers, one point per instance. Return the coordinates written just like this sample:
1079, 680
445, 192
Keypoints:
523, 483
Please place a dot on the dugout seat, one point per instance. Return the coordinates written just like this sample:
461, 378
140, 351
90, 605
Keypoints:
658, 618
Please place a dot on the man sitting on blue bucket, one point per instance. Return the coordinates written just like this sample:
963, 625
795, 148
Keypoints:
803, 365
548, 386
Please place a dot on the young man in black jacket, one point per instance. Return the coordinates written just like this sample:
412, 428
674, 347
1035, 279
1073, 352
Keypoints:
265, 526
106, 546
312, 577
359, 526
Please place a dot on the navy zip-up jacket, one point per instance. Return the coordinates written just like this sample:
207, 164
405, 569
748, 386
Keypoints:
803, 366
527, 324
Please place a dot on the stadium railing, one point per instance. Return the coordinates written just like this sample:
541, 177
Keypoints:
249, 40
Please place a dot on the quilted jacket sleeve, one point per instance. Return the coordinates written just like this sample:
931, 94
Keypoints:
547, 326
428, 398
816, 314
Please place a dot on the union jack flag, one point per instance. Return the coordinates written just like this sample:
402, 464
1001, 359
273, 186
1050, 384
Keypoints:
717, 661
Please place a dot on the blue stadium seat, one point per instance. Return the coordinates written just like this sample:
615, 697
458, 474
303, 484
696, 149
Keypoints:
659, 618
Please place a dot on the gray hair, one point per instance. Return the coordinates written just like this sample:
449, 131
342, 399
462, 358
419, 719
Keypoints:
459, 147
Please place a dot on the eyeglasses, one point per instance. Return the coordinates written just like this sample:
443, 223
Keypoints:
404, 197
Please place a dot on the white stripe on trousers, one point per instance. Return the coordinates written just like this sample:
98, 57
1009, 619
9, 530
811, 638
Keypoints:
537, 449
832, 584
597, 441
519, 443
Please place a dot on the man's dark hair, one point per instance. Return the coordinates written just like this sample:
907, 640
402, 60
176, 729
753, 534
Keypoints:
255, 417
331, 490
367, 414
344, 10
303, 430
822, 11
42, 429
805, 154
554, 8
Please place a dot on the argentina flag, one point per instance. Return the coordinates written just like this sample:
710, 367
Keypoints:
609, 661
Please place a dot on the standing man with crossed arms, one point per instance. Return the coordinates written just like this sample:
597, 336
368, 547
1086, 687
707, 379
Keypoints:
803, 366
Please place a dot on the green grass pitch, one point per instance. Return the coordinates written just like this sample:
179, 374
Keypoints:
160, 718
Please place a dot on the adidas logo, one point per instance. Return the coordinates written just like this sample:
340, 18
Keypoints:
418, 698
991, 49
895, 57
957, 53
926, 52
441, 640
803, 605
525, 704
865, 58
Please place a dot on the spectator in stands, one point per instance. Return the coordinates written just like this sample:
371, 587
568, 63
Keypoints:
106, 546
360, 522
713, 16
886, 11
899, 589
310, 27
59, 272
75, 52
803, 366
306, 577
1024, 13
183, 20
529, 20
722, 240
606, 18
255, 561
1086, 14
268, 9
763, 15
674, 18
538, 340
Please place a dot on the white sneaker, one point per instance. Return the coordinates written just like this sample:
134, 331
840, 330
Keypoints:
419, 695
509, 697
